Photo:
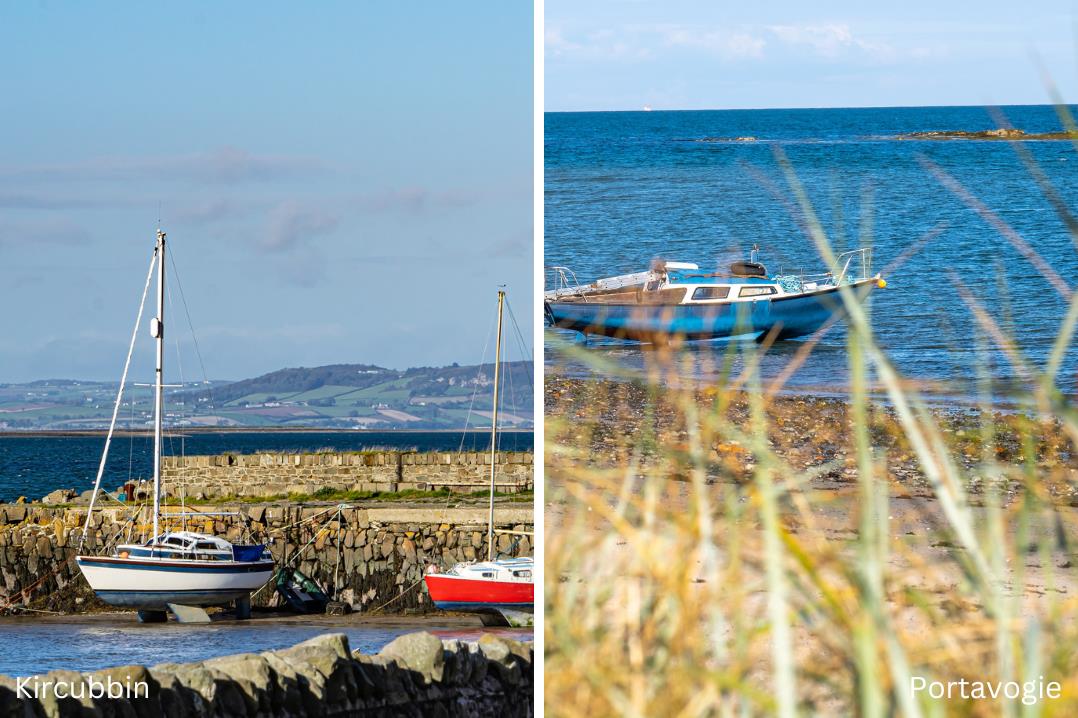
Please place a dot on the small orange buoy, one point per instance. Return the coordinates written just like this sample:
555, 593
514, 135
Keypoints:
881, 282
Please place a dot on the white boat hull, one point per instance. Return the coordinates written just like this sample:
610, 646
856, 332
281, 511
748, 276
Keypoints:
152, 584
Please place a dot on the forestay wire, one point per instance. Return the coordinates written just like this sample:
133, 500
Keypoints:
475, 391
119, 399
179, 363
183, 478
527, 361
524, 351
191, 326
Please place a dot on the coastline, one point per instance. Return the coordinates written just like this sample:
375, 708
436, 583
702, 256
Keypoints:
811, 432
189, 431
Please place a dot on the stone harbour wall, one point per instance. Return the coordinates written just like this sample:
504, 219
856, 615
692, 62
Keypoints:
370, 558
415, 675
271, 474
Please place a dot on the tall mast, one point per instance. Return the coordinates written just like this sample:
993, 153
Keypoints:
494, 426
157, 329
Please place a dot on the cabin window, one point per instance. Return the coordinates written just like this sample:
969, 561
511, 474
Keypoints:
756, 291
206, 546
488, 574
522, 574
711, 293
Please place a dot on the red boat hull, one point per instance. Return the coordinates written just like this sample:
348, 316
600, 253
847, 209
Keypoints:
454, 593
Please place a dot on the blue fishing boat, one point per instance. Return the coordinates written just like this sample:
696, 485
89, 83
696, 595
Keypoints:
678, 301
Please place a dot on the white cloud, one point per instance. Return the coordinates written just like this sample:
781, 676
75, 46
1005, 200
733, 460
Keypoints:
640, 42
417, 200
826, 40
741, 45
604, 44
208, 211
556, 44
306, 332
632, 42
227, 165
55, 230
721, 42
293, 224
831, 40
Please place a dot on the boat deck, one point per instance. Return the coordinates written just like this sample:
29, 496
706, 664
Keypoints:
634, 296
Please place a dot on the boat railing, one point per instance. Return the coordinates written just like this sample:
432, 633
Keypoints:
857, 259
852, 266
561, 281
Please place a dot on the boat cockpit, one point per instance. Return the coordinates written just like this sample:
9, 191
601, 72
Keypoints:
514, 570
192, 546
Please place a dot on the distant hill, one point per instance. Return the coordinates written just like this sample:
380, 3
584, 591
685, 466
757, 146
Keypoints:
304, 379
334, 396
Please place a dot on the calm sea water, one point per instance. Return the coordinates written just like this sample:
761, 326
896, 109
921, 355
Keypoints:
36, 648
625, 187
32, 466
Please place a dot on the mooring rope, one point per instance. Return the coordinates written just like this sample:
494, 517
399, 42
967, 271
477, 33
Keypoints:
337, 509
402, 594
24, 593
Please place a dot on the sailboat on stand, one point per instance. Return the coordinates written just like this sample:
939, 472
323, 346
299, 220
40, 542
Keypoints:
181, 572
504, 587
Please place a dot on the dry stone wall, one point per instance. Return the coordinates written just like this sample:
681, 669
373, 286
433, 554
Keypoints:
271, 474
367, 557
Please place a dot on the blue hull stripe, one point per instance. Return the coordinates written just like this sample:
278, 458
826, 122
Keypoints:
481, 607
198, 591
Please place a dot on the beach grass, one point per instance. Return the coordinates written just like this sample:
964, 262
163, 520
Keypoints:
711, 551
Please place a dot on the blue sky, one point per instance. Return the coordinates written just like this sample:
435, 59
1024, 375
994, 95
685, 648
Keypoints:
340, 182
696, 54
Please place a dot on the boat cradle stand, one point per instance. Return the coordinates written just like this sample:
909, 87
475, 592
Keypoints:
192, 614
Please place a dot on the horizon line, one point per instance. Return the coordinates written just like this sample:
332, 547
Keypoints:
813, 107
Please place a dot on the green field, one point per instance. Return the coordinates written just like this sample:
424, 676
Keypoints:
330, 396
259, 398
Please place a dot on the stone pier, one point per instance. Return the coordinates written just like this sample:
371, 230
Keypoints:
278, 474
370, 557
